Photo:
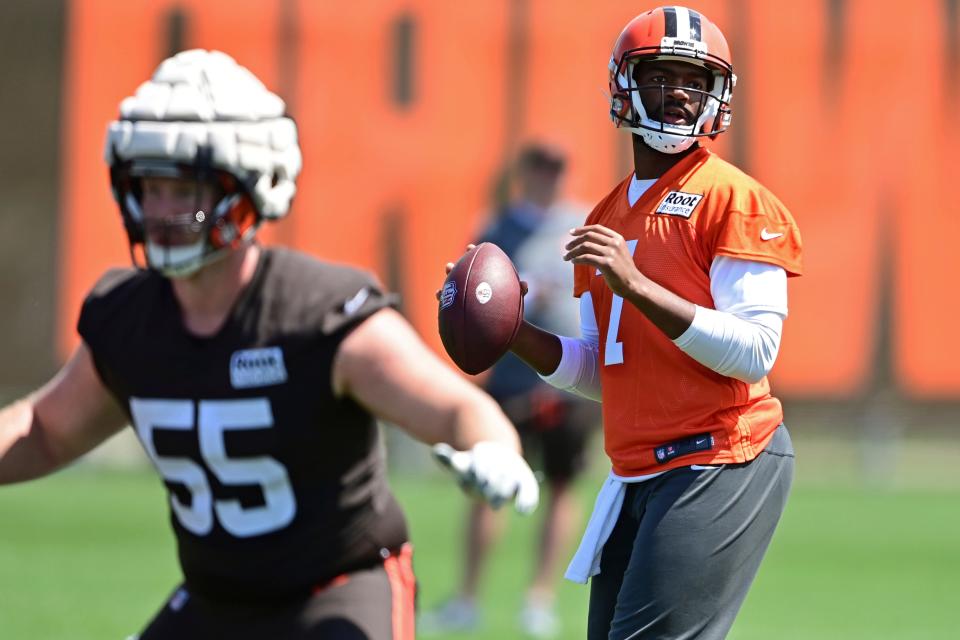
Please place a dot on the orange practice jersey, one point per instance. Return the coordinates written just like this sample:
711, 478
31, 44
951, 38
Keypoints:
654, 395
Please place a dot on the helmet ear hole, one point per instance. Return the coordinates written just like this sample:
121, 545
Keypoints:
222, 234
620, 106
231, 228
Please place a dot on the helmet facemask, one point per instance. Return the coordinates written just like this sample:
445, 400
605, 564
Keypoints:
178, 243
712, 110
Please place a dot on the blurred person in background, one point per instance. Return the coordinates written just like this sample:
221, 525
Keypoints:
531, 227
253, 378
681, 272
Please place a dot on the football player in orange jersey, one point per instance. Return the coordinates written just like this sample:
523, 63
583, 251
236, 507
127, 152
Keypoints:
682, 275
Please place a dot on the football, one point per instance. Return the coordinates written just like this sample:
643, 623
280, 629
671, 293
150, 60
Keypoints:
481, 308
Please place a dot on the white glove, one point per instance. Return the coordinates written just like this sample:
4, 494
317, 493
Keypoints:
493, 470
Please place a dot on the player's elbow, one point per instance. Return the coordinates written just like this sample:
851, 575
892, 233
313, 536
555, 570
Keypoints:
750, 376
761, 356
26, 449
578, 371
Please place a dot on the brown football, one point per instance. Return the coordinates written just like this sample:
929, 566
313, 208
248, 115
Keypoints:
481, 308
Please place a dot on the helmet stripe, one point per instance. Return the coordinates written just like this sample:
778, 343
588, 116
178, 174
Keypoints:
683, 23
695, 26
670, 22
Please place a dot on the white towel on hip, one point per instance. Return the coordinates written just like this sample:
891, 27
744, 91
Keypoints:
606, 510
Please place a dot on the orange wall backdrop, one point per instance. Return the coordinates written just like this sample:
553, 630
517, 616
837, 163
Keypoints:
853, 135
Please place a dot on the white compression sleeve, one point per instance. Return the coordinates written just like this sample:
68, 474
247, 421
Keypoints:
741, 337
578, 371
738, 346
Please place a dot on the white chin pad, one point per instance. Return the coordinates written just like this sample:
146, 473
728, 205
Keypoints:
665, 142
175, 261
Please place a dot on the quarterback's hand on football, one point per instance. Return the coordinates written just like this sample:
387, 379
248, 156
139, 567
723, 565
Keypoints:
605, 249
447, 268
494, 471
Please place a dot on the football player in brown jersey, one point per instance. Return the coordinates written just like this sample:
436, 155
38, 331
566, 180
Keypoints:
253, 378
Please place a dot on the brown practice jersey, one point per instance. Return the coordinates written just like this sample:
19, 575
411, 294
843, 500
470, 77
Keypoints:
661, 408
275, 485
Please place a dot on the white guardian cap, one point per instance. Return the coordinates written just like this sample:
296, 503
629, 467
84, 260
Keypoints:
202, 116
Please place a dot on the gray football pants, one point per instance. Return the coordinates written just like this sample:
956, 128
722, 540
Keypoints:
686, 548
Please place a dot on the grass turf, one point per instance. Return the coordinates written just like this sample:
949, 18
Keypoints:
89, 554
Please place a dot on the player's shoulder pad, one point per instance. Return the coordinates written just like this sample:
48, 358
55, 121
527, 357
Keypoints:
744, 219
336, 295
118, 281
117, 291
600, 209
741, 192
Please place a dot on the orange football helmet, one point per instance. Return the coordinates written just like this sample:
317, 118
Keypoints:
671, 33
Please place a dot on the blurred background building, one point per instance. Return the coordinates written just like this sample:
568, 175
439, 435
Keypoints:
407, 109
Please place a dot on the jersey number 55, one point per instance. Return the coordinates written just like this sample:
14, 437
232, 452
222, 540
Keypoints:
213, 419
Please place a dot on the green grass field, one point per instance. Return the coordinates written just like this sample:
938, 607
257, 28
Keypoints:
88, 554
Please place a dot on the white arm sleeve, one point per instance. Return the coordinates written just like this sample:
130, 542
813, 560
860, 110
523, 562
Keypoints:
579, 368
741, 337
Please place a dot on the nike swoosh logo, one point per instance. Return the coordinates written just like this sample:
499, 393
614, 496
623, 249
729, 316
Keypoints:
766, 235
353, 305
